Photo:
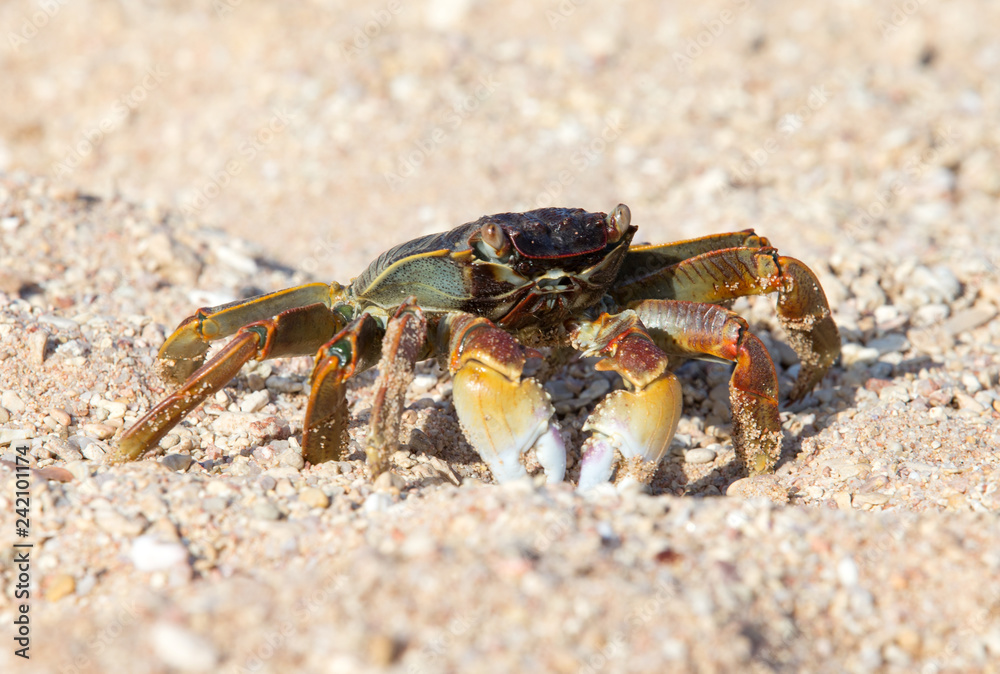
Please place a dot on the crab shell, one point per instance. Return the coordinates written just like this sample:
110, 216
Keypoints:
559, 262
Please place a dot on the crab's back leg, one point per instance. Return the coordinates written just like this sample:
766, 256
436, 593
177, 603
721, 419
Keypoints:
351, 351
402, 346
184, 351
638, 422
722, 275
294, 332
503, 415
696, 330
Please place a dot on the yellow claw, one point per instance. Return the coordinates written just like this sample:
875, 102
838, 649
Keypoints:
638, 424
503, 419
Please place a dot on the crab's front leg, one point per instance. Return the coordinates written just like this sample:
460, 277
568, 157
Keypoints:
639, 422
502, 414
711, 332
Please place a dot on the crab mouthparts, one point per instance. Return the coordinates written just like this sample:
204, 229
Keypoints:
559, 284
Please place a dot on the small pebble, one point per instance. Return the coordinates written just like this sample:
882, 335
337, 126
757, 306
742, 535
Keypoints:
283, 384
377, 502
314, 497
176, 462
856, 354
971, 383
181, 649
37, 343
293, 458
267, 483
58, 586
968, 319
889, 343
12, 402
266, 510
255, 401
9, 435
967, 402
870, 498
699, 455
95, 451
61, 417
65, 451
59, 322
847, 572
149, 553
99, 431
388, 482
79, 469
423, 383
116, 410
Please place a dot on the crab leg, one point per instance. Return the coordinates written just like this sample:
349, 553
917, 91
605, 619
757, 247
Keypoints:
722, 275
502, 414
184, 351
352, 350
697, 330
402, 347
293, 332
647, 262
639, 422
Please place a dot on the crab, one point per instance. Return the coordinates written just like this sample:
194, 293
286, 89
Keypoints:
482, 298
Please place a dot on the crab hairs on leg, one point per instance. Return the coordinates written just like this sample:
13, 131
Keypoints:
294, 332
351, 351
639, 422
698, 330
184, 351
402, 346
502, 414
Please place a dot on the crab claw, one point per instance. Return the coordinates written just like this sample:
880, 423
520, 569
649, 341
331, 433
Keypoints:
503, 415
640, 425
639, 422
503, 419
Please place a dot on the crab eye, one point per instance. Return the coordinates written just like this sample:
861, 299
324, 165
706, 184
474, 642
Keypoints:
494, 239
618, 222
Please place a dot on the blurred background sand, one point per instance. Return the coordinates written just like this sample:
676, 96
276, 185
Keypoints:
328, 131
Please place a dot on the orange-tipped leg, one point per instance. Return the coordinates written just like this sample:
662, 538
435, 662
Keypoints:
754, 268
502, 414
699, 330
293, 332
805, 316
